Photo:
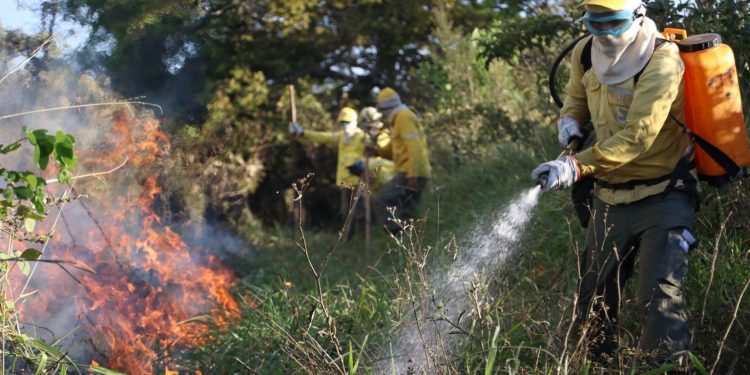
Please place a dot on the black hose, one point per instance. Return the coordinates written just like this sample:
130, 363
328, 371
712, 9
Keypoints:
556, 65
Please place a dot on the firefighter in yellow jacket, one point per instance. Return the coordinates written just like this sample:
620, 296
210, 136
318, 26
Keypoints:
407, 148
381, 170
350, 139
628, 84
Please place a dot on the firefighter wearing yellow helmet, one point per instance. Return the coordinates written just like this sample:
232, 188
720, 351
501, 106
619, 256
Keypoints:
627, 82
349, 139
407, 148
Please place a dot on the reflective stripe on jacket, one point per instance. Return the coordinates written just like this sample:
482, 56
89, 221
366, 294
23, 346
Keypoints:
635, 137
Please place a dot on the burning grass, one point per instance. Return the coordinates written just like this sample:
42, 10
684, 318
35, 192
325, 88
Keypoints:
150, 294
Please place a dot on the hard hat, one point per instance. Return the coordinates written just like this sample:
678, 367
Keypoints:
388, 98
370, 117
347, 115
613, 4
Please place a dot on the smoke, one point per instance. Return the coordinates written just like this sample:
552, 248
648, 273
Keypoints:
148, 277
425, 339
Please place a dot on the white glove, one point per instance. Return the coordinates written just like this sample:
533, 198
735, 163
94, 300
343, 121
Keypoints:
560, 173
567, 128
295, 129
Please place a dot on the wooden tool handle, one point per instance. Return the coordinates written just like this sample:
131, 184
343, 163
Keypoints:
293, 101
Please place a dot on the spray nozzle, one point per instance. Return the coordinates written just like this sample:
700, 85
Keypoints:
542, 180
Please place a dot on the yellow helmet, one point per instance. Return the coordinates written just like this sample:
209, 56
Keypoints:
613, 4
388, 98
347, 115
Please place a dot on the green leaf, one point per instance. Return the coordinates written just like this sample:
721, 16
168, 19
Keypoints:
46, 147
30, 135
31, 254
32, 180
37, 217
493, 353
23, 192
55, 353
37, 155
41, 364
24, 268
64, 176
697, 363
40, 133
29, 224
9, 194
10, 148
39, 206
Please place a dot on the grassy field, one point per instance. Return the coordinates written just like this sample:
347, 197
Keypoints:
300, 316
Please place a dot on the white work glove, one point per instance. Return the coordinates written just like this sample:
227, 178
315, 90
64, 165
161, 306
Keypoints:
567, 128
295, 129
560, 173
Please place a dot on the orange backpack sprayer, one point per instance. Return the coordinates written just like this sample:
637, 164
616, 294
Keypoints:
713, 110
713, 106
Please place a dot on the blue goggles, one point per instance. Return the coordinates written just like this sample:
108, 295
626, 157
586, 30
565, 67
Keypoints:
610, 23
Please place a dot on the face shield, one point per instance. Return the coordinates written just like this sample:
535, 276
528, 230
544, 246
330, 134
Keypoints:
609, 23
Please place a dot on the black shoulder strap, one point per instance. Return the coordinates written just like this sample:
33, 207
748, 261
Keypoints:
657, 44
586, 55
720, 157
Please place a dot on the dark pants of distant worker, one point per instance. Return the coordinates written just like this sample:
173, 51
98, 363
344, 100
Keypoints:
658, 230
397, 195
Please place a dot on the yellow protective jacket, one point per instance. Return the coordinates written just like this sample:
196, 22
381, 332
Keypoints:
350, 149
408, 145
381, 170
635, 137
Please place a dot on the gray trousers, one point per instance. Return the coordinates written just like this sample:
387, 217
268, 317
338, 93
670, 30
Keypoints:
658, 230
396, 195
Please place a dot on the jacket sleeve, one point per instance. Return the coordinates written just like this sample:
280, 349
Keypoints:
324, 137
575, 103
385, 146
654, 94
416, 146
383, 139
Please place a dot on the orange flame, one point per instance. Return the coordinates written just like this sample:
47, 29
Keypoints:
148, 281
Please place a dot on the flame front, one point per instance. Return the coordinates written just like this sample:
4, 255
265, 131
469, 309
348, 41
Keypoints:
147, 280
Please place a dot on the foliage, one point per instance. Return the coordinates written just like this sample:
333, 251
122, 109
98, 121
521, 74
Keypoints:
476, 70
185, 48
475, 103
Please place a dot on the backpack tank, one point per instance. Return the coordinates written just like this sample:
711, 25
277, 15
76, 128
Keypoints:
713, 106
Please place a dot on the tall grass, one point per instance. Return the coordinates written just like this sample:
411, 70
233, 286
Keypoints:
522, 320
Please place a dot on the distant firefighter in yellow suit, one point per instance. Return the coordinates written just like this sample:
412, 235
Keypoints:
349, 138
408, 150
